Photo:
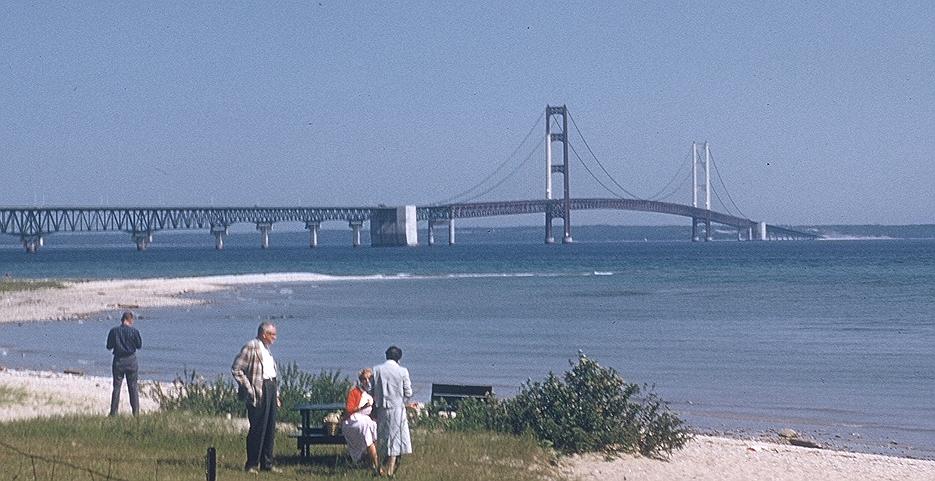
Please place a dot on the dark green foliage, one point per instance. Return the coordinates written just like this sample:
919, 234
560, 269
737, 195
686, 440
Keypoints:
589, 408
193, 393
301, 387
661, 431
473, 415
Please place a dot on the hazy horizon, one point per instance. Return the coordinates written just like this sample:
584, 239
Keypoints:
815, 114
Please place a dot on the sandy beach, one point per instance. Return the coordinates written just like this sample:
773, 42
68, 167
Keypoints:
716, 458
82, 299
706, 458
47, 394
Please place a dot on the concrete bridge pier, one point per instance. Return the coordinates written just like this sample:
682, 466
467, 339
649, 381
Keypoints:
549, 238
313, 228
696, 235
32, 243
451, 230
394, 226
264, 228
142, 240
219, 232
355, 225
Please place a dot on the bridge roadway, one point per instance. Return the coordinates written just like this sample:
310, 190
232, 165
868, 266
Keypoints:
31, 224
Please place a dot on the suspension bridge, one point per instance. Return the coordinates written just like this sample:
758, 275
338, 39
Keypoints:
399, 225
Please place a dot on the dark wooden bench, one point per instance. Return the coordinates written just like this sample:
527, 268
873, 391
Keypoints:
312, 432
452, 394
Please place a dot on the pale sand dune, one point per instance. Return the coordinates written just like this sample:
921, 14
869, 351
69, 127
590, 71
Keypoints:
52, 394
722, 459
80, 299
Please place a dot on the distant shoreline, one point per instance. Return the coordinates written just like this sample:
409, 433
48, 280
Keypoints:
82, 299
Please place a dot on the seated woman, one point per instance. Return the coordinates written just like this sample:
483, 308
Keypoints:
360, 430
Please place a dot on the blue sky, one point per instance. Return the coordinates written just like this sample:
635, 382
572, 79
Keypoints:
816, 112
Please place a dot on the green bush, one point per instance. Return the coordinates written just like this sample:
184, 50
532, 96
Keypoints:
588, 409
191, 392
300, 387
472, 415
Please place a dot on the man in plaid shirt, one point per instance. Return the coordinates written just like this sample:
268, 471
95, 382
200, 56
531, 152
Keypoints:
255, 372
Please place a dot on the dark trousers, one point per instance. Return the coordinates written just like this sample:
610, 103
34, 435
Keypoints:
262, 432
125, 367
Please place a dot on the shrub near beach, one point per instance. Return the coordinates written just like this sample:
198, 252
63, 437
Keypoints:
589, 409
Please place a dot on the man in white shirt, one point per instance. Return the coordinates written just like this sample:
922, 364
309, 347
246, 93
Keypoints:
255, 372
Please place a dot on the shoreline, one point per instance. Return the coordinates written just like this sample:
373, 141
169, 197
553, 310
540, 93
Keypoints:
82, 299
706, 457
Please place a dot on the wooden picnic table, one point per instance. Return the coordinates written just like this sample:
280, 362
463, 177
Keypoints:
312, 431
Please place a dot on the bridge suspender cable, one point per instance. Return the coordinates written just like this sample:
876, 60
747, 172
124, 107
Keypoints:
658, 195
507, 177
598, 161
499, 167
718, 197
716, 171
588, 169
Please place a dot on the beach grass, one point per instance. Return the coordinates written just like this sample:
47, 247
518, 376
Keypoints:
12, 285
172, 446
10, 395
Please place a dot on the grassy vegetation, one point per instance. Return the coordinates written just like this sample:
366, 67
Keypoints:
171, 446
8, 285
11, 395
193, 393
589, 408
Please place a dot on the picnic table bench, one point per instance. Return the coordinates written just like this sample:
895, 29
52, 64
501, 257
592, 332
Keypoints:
312, 432
452, 394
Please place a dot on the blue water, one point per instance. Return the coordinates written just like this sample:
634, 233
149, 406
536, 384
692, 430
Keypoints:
832, 338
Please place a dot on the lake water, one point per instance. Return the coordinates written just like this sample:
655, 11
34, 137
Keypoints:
832, 338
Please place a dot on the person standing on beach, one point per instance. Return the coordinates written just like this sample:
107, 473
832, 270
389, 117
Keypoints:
255, 372
124, 340
391, 388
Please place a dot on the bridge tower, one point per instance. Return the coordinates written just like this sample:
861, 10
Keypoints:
562, 168
701, 189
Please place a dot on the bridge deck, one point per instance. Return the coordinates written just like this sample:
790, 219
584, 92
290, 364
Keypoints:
29, 222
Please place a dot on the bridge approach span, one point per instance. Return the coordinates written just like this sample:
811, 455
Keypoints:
39, 221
